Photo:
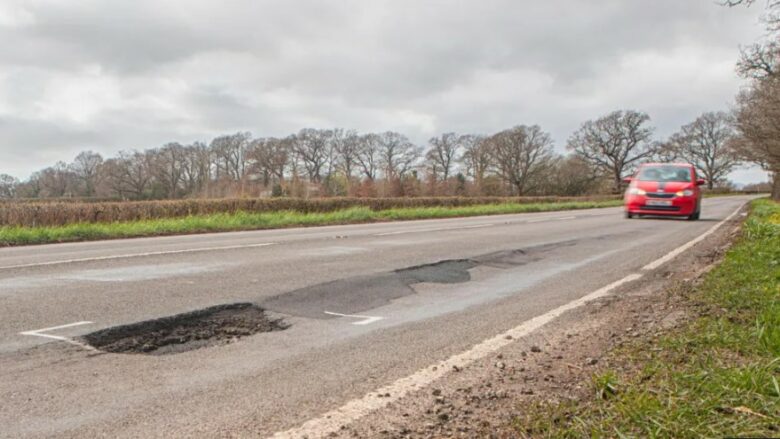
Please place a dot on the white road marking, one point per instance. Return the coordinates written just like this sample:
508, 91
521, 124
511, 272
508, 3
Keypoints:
367, 320
355, 409
434, 229
672, 254
401, 232
136, 255
561, 218
39, 333
477, 226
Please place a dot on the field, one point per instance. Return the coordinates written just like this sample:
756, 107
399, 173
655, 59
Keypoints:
58, 213
39, 223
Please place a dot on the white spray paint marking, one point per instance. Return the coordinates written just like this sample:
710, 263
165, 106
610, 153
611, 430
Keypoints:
357, 408
39, 333
674, 253
367, 320
136, 255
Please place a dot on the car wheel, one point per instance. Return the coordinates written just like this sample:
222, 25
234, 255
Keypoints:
694, 217
629, 215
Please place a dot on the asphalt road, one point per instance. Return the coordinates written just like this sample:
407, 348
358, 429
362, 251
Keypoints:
422, 291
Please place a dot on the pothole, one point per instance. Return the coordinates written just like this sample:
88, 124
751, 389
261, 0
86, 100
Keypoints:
185, 332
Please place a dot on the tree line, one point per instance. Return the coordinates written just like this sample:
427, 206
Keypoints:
339, 162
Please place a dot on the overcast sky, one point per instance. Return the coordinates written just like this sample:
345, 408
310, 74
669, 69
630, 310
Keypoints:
113, 75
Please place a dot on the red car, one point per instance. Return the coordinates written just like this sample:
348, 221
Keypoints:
664, 189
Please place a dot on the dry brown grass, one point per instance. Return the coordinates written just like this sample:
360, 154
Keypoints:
58, 213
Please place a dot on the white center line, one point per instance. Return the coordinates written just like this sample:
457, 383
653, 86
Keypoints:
551, 219
401, 232
477, 226
39, 333
434, 229
136, 255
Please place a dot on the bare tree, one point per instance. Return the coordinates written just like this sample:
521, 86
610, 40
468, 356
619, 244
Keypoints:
759, 60
772, 17
368, 155
230, 154
443, 153
57, 181
196, 164
615, 143
707, 143
8, 186
272, 157
168, 167
348, 149
758, 108
574, 176
129, 174
757, 116
476, 158
397, 154
86, 167
312, 146
520, 154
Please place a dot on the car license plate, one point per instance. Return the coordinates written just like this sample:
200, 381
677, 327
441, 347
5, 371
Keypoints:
659, 203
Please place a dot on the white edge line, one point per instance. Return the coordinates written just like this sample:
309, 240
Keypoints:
357, 408
136, 255
674, 253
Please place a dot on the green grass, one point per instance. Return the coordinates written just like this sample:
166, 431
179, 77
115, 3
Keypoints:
717, 377
270, 220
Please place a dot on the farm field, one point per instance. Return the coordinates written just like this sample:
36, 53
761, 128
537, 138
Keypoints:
40, 223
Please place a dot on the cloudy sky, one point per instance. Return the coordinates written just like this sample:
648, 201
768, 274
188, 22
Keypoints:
113, 75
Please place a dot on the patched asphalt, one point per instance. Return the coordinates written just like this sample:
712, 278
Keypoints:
434, 293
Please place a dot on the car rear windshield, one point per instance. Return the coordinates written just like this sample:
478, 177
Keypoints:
664, 173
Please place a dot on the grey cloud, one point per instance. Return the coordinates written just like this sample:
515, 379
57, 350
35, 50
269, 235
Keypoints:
190, 69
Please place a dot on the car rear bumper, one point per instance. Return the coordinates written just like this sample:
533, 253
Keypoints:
678, 206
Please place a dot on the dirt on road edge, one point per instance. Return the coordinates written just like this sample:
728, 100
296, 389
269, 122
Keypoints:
556, 363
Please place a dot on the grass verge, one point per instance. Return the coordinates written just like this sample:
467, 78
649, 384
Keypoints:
268, 220
718, 376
